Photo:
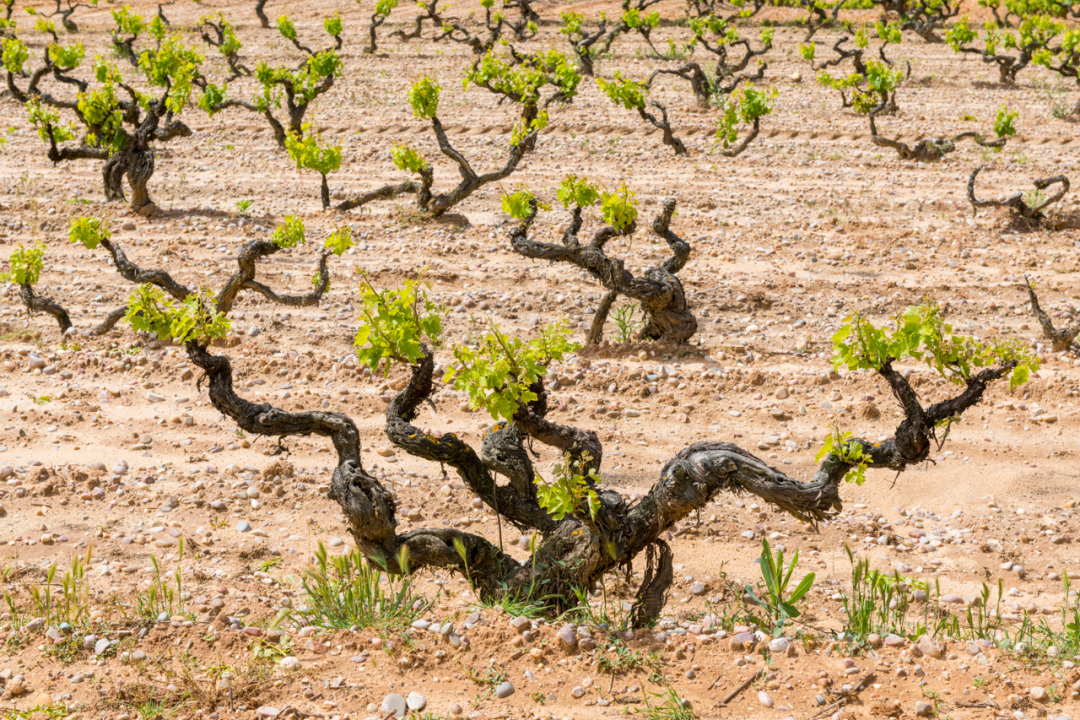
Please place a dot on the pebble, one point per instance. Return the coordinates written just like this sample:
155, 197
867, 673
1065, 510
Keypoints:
567, 637
779, 645
243, 526
394, 703
504, 690
578, 691
697, 589
101, 646
1038, 694
923, 709
416, 701
764, 699
290, 663
267, 711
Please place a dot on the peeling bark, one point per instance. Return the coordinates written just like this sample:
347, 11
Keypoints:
1061, 339
40, 303
659, 291
1016, 201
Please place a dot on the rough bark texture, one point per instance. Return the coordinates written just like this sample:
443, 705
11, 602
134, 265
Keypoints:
145, 122
1061, 339
1016, 201
664, 127
260, 11
659, 291
928, 149
40, 303
574, 552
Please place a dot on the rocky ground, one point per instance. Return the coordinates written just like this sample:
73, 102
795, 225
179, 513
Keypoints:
111, 455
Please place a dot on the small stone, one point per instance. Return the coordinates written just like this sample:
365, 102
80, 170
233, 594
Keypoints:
394, 703
923, 709
102, 645
928, 647
267, 711
779, 645
578, 691
1038, 694
764, 699
893, 640
567, 638
697, 589
290, 663
43, 699
154, 397
416, 701
456, 709
504, 690
243, 526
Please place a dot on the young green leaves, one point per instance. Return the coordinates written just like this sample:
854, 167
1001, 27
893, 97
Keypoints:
569, 490
396, 324
627, 93
743, 106
26, 264
497, 372
339, 241
308, 152
776, 577
193, 320
424, 98
841, 445
618, 208
89, 231
922, 334
408, 159
289, 233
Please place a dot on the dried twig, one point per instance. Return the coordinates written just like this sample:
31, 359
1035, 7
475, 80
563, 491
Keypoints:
745, 684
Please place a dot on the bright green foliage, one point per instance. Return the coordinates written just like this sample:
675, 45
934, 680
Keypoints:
305, 81
286, 28
396, 324
290, 233
89, 231
424, 98
1005, 122
523, 81
384, 7
634, 19
193, 320
619, 209
745, 106
128, 22
523, 129
960, 34
922, 334
571, 23
339, 241
173, 66
344, 591
777, 607
889, 32
407, 158
569, 490
47, 121
212, 100
518, 205
808, 51
310, 154
67, 58
840, 445
629, 94
230, 44
26, 264
333, 25
45, 27
15, 55
578, 192
497, 373
100, 110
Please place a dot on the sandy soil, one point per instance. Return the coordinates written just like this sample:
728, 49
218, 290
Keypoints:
113, 448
